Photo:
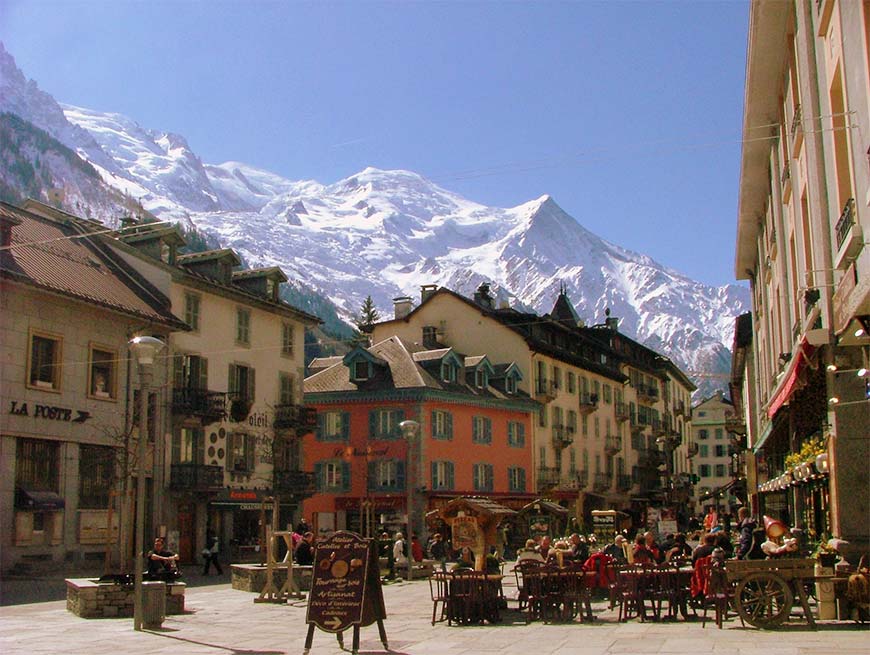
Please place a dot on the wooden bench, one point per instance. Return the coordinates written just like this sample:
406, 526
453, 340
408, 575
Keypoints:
89, 599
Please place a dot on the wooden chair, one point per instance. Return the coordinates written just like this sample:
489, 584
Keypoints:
439, 590
520, 571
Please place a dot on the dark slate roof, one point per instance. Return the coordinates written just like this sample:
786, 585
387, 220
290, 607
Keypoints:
545, 505
269, 271
564, 311
208, 255
58, 257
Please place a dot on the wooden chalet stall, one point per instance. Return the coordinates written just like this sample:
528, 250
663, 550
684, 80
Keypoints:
474, 522
540, 517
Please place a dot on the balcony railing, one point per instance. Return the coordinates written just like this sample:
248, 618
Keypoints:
588, 402
621, 411
563, 435
545, 390
581, 478
209, 406
195, 477
735, 424
845, 223
680, 408
299, 484
298, 417
602, 481
624, 482
548, 476
647, 392
612, 444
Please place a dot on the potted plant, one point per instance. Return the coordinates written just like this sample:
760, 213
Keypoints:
827, 554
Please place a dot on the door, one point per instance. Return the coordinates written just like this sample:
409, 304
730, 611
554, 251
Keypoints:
187, 532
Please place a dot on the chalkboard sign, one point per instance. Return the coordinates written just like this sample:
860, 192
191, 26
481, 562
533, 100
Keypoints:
345, 587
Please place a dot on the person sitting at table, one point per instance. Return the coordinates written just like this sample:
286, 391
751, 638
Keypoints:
641, 553
465, 560
651, 545
680, 549
560, 554
723, 541
706, 548
528, 553
616, 550
579, 548
544, 546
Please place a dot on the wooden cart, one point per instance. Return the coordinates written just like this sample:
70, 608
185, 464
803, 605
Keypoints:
766, 590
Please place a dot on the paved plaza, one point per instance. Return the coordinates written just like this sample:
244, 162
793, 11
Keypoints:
223, 621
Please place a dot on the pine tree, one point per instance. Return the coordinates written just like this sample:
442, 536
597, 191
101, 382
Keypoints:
368, 315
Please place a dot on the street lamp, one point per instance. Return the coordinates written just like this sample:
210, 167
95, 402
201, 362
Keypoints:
410, 430
144, 349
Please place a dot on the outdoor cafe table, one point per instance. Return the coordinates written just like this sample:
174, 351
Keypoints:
473, 597
562, 593
656, 584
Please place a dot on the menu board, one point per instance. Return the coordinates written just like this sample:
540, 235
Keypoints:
345, 585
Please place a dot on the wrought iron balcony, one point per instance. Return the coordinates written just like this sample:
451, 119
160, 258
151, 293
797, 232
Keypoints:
588, 402
796, 122
680, 408
299, 484
602, 481
298, 417
624, 482
621, 411
545, 390
209, 406
612, 444
548, 476
563, 435
647, 393
581, 478
195, 477
845, 222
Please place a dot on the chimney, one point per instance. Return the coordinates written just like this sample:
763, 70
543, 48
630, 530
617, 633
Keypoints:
427, 290
611, 322
483, 297
402, 306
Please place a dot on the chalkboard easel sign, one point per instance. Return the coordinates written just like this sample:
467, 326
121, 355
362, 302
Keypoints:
345, 589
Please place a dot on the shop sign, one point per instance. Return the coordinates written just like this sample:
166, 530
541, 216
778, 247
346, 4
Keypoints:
48, 412
539, 525
361, 452
466, 532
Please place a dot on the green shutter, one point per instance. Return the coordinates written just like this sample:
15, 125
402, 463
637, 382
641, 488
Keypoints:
400, 475
198, 447
320, 476
373, 424
345, 476
252, 387
449, 468
228, 464
176, 447
371, 482
434, 477
474, 431
487, 430
398, 417
521, 434
345, 426
490, 481
321, 426
232, 379
435, 435
203, 373
448, 425
522, 479
178, 371
250, 444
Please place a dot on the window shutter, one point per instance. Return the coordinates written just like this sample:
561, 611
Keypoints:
521, 434
435, 481
398, 417
321, 426
252, 387
449, 470
373, 424
178, 371
250, 444
345, 425
203, 373
231, 446
319, 476
448, 424
487, 430
474, 429
372, 481
176, 447
345, 476
400, 475
198, 447
522, 479
434, 424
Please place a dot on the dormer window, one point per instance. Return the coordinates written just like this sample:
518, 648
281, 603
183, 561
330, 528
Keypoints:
361, 371
510, 385
481, 379
448, 371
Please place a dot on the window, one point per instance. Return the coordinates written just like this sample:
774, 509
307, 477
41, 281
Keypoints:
572, 382
96, 476
482, 477
584, 424
287, 340
608, 394
386, 475
442, 424
45, 362
516, 434
332, 476
542, 455
510, 385
557, 377
516, 478
241, 452
333, 426
704, 450
557, 418
481, 429
243, 326
191, 310
702, 434
542, 416
448, 371
704, 470
719, 433
187, 446
102, 373
481, 379
442, 475
190, 371
37, 465
572, 421
288, 455
384, 423
572, 462
241, 383
720, 470
721, 451
285, 388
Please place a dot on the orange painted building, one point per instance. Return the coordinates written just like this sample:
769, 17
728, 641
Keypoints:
472, 435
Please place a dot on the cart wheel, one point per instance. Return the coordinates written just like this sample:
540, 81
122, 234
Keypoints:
763, 599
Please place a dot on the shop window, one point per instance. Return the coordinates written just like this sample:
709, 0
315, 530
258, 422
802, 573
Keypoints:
44, 371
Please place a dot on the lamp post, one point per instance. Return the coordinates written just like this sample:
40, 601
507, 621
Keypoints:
144, 349
410, 430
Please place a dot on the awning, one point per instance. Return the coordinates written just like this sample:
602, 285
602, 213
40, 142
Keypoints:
38, 500
758, 445
790, 381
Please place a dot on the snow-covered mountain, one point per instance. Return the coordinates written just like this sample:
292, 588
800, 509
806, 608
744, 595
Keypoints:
385, 233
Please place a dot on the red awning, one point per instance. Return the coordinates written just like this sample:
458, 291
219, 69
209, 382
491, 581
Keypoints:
789, 383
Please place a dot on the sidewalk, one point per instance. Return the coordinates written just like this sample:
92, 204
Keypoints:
222, 621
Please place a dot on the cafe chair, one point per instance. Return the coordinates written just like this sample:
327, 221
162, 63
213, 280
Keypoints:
439, 590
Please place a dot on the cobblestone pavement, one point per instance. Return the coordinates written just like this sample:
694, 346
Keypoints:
222, 621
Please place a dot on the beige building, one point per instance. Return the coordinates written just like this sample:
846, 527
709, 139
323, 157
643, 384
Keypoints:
612, 411
713, 455
801, 371
67, 311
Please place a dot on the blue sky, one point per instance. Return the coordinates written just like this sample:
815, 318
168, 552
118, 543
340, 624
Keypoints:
627, 113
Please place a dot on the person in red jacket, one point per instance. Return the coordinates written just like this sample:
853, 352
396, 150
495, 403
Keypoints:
416, 548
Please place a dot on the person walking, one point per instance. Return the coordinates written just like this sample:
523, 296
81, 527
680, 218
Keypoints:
210, 553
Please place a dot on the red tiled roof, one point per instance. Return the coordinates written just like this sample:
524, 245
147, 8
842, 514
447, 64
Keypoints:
55, 256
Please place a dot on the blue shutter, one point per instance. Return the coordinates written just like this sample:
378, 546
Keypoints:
400, 475
371, 479
434, 470
449, 470
345, 426
345, 476
487, 430
320, 476
373, 424
448, 425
